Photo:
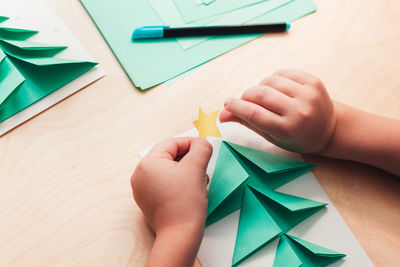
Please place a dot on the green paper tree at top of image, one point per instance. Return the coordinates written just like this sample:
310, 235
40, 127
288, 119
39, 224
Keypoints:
29, 71
246, 179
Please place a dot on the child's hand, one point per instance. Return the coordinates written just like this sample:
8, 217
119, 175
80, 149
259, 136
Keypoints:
290, 108
170, 184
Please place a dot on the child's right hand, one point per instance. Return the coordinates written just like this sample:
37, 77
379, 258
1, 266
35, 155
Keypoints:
170, 187
170, 184
291, 109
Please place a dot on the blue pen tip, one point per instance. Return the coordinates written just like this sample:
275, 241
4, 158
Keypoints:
287, 26
148, 32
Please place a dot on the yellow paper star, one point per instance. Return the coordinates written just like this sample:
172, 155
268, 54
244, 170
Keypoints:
206, 124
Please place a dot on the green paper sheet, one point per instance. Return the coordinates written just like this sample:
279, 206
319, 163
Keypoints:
29, 72
191, 12
149, 63
294, 252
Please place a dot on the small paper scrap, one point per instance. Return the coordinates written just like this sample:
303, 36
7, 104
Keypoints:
206, 124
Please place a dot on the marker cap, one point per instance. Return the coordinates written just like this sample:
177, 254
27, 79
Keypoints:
147, 32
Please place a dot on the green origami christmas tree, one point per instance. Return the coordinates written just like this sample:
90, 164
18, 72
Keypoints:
29, 71
246, 178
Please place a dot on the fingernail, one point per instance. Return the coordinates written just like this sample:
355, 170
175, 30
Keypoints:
228, 102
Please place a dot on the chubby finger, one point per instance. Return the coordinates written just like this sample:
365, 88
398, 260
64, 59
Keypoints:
226, 116
283, 85
298, 76
269, 98
171, 149
199, 154
254, 115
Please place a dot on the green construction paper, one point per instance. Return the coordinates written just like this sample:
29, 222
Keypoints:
29, 72
46, 61
317, 250
230, 204
16, 34
10, 79
151, 62
256, 228
170, 16
275, 180
290, 202
3, 18
248, 241
40, 82
267, 161
286, 218
191, 12
30, 49
285, 256
292, 250
227, 179
227, 184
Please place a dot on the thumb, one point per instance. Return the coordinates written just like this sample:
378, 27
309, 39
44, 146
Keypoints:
199, 154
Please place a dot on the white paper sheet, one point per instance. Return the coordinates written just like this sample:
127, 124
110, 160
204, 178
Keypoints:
326, 228
36, 15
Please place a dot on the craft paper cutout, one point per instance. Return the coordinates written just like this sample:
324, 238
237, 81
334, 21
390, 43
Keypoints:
246, 178
151, 62
206, 124
29, 71
238, 166
277, 214
294, 252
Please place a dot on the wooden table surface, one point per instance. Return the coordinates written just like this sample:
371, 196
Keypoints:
64, 175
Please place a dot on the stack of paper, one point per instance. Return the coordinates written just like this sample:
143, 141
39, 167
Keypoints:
151, 62
41, 62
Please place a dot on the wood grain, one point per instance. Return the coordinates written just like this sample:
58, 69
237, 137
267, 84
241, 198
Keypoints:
64, 175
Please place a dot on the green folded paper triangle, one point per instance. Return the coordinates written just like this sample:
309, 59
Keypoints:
294, 252
285, 211
3, 18
246, 178
238, 165
29, 71
256, 228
